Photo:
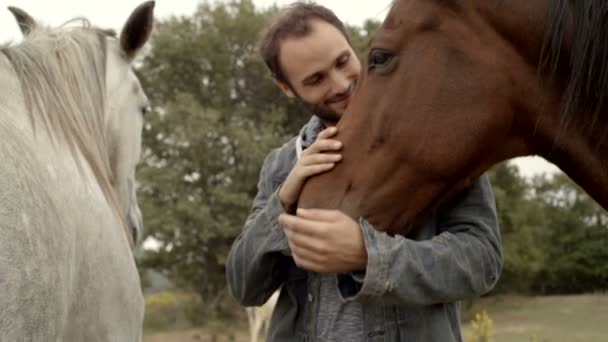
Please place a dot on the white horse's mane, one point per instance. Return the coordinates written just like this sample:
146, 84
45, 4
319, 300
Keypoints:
62, 74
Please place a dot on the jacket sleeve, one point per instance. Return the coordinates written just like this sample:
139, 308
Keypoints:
464, 260
255, 267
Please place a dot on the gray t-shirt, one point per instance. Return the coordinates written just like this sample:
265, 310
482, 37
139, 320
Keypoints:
337, 320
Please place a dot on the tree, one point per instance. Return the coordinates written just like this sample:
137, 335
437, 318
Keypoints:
216, 117
554, 235
577, 239
522, 221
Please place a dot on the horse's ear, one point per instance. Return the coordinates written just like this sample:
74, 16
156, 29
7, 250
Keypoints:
25, 21
137, 29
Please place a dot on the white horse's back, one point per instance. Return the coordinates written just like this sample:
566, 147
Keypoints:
62, 270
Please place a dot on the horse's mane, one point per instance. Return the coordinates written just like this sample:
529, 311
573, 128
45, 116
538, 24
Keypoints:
62, 75
586, 50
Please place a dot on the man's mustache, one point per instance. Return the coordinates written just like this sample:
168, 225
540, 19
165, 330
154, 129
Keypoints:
341, 96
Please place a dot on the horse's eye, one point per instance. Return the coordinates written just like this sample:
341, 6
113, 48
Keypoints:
145, 110
378, 58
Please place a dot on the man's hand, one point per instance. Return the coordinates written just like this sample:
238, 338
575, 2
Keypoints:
319, 157
325, 241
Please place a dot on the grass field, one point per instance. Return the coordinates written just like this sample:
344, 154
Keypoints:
582, 318
198, 335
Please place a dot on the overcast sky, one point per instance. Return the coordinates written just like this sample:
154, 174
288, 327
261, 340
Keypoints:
113, 13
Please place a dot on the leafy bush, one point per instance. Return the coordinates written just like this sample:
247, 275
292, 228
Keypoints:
171, 310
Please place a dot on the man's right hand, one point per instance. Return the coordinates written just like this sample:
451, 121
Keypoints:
320, 157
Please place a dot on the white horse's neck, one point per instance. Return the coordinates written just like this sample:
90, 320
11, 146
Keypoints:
61, 243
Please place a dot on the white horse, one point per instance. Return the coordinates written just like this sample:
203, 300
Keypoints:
70, 134
259, 318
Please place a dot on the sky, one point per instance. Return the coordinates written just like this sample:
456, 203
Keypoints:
113, 13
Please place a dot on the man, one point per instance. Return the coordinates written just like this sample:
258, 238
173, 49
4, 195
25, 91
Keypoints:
341, 280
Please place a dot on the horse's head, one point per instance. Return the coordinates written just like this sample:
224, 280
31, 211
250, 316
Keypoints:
127, 104
112, 141
451, 88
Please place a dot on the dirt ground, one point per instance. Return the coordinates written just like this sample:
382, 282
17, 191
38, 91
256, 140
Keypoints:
197, 335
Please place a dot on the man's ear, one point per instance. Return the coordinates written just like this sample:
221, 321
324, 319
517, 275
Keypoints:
285, 88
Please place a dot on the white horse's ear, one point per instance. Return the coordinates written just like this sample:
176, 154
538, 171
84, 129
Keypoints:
137, 29
25, 21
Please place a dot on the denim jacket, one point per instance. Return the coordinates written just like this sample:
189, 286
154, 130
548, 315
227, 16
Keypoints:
412, 287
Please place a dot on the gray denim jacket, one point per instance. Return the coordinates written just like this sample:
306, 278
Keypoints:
412, 286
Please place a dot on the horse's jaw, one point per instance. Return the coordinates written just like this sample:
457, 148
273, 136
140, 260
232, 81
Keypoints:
391, 206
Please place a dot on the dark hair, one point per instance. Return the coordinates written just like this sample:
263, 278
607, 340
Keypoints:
585, 100
292, 22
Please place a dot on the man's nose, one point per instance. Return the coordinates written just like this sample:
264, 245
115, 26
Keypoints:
340, 82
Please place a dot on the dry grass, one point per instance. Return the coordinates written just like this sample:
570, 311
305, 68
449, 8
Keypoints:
198, 335
582, 318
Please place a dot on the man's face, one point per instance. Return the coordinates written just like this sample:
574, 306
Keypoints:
322, 70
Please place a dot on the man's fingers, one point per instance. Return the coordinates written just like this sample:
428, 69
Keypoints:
321, 145
327, 133
287, 220
316, 169
307, 245
300, 225
325, 215
307, 259
306, 264
320, 158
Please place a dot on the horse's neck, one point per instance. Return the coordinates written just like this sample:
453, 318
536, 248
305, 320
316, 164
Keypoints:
26, 137
507, 18
13, 113
538, 121
10, 88
580, 157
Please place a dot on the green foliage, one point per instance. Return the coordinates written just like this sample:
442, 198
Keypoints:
216, 117
577, 239
554, 235
521, 220
171, 310
212, 56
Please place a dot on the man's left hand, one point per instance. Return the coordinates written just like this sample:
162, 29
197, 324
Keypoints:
325, 241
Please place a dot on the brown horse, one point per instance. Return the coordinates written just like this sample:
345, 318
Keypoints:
453, 87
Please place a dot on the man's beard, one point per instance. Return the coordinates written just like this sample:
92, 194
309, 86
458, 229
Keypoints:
326, 114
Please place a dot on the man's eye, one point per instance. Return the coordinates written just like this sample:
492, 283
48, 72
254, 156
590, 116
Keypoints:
313, 80
342, 61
